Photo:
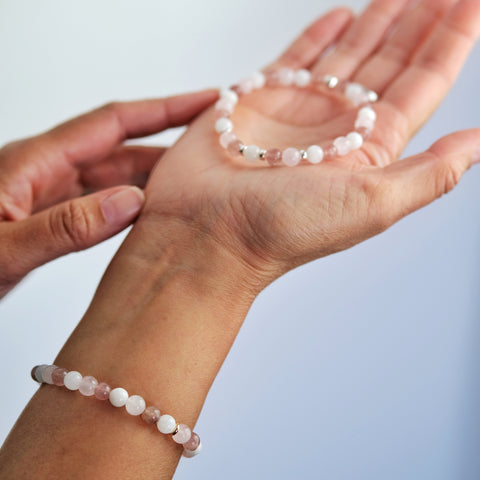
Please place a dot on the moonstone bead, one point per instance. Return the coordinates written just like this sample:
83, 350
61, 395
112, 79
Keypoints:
151, 415
166, 424
302, 78
330, 152
245, 86
226, 138
38, 372
258, 80
343, 146
58, 376
118, 397
286, 76
192, 453
47, 374
229, 95
72, 380
355, 139
291, 157
135, 405
273, 156
102, 391
193, 443
223, 125
252, 153
367, 112
224, 105
315, 154
234, 147
183, 434
87, 385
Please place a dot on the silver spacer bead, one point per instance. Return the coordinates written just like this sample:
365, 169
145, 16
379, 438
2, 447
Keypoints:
372, 96
262, 154
331, 81
242, 149
303, 154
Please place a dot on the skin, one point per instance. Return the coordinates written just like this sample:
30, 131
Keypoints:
215, 231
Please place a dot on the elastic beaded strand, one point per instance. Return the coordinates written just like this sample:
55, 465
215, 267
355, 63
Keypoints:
313, 154
134, 404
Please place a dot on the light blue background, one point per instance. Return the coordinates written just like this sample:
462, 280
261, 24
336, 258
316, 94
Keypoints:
361, 366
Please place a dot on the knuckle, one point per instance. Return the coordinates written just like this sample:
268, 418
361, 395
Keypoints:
448, 179
72, 223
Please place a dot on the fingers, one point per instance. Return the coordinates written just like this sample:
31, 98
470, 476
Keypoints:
128, 165
69, 227
93, 136
419, 90
412, 30
314, 40
362, 38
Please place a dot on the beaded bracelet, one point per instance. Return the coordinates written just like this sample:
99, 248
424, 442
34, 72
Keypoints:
314, 154
119, 397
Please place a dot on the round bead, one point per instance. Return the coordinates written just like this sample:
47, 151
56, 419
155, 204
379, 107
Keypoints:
183, 434
245, 86
291, 157
47, 374
315, 154
193, 443
229, 95
223, 125
87, 386
272, 78
226, 138
355, 139
166, 424
72, 380
151, 415
234, 147
365, 123
286, 76
102, 391
118, 397
367, 112
364, 132
302, 78
356, 93
225, 106
330, 152
273, 156
192, 453
252, 153
343, 146
258, 80
372, 96
37, 373
330, 81
58, 376
135, 405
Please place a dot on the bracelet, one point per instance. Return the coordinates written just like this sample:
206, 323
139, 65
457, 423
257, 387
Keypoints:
314, 154
134, 404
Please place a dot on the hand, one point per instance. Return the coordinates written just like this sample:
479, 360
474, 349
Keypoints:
85, 153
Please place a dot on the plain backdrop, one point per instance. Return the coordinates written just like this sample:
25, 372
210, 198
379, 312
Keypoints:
361, 366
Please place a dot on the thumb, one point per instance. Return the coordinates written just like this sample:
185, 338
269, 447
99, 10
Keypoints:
71, 226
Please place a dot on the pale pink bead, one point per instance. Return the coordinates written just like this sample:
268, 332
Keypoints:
58, 376
87, 386
224, 105
245, 86
343, 146
272, 79
221, 114
234, 147
291, 157
366, 133
286, 76
183, 434
151, 415
193, 443
330, 152
47, 374
236, 89
273, 156
102, 391
226, 138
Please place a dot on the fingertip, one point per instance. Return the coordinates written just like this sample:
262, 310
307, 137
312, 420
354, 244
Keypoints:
122, 206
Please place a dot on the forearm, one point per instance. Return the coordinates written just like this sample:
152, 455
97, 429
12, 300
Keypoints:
160, 327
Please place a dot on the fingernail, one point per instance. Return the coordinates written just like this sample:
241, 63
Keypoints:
476, 157
123, 206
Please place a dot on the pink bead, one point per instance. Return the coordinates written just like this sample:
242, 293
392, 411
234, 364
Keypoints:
58, 375
224, 105
151, 415
102, 391
273, 156
47, 374
221, 114
193, 443
366, 133
272, 79
234, 147
236, 89
87, 386
245, 86
330, 152
226, 138
291, 157
183, 434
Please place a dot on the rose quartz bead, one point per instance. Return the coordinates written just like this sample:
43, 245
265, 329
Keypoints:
183, 434
245, 86
47, 374
330, 152
87, 385
291, 157
366, 133
102, 391
135, 405
273, 156
234, 147
58, 376
343, 146
272, 79
226, 138
193, 443
224, 105
221, 114
286, 76
151, 415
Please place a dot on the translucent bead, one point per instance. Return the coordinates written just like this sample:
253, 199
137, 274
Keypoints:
364, 132
135, 405
223, 125
252, 153
330, 152
258, 80
229, 95
343, 146
367, 112
315, 154
58, 376
72, 380
47, 374
183, 434
291, 157
102, 391
166, 424
118, 397
356, 93
273, 156
37, 373
234, 147
302, 78
272, 79
286, 76
226, 138
192, 453
225, 106
87, 386
221, 114
245, 86
355, 139
365, 123
151, 415
193, 443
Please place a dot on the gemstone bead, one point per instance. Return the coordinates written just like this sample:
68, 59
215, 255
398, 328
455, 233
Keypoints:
366, 133
234, 147
258, 80
72, 380
192, 453
368, 112
272, 79
183, 434
135, 405
245, 86
224, 105
223, 125
330, 152
273, 156
151, 415
87, 385
193, 443
291, 157
286, 76
226, 138
302, 78
37, 372
364, 122
118, 397
102, 391
58, 376
315, 154
166, 424
355, 139
343, 146
252, 153
47, 374
229, 95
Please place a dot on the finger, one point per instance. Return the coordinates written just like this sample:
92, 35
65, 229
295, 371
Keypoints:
420, 89
93, 136
314, 40
411, 32
70, 226
127, 165
362, 38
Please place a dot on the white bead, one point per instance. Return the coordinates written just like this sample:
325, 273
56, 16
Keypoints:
223, 125
368, 112
365, 123
135, 405
118, 397
343, 146
302, 78
356, 93
246, 85
315, 154
166, 424
355, 139
286, 76
229, 96
252, 153
72, 380
258, 80
192, 453
224, 105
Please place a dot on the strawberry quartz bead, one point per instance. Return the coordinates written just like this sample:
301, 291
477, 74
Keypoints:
151, 415
58, 376
193, 443
330, 152
183, 434
273, 156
